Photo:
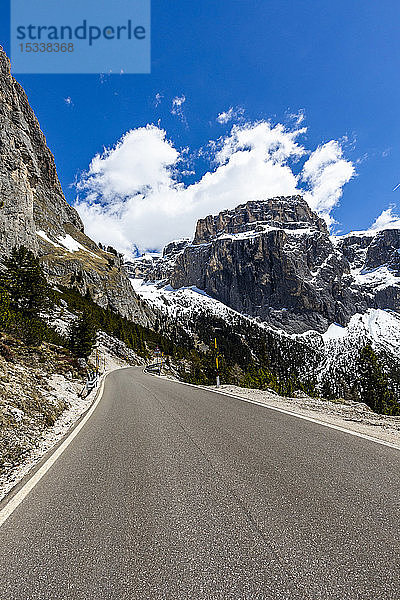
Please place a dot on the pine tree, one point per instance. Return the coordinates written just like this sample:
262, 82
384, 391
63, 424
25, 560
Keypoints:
26, 295
25, 282
83, 335
372, 385
5, 315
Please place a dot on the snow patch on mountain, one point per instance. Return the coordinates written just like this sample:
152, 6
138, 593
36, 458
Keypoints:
341, 347
259, 230
66, 242
184, 301
334, 332
376, 279
379, 327
70, 243
45, 237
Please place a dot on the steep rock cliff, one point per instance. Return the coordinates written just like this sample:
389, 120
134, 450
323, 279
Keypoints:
274, 259
34, 212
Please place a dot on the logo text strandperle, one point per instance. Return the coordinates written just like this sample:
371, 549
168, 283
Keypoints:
84, 31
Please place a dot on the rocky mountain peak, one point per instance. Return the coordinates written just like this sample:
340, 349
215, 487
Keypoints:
274, 259
290, 212
174, 247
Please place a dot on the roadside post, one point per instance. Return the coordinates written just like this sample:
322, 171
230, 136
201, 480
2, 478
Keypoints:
158, 356
217, 362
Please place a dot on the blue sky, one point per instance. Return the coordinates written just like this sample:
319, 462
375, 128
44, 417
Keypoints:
337, 61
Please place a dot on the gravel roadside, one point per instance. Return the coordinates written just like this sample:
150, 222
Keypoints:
355, 416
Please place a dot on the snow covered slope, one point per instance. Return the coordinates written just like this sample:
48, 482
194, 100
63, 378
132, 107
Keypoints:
342, 345
379, 327
331, 357
180, 305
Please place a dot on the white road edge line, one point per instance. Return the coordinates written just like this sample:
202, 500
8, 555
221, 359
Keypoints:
30, 484
16, 500
292, 414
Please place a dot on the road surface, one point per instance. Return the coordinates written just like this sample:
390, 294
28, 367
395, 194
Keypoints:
172, 492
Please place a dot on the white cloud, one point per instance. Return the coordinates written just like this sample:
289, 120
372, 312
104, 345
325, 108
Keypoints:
68, 101
177, 108
158, 99
262, 141
140, 161
326, 172
386, 220
131, 194
230, 115
298, 117
178, 101
226, 116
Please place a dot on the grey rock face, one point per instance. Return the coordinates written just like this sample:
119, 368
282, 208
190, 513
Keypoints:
31, 195
289, 212
31, 200
174, 248
375, 265
17, 175
384, 250
141, 268
274, 259
158, 268
354, 248
371, 251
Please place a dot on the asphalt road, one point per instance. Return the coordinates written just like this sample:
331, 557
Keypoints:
169, 492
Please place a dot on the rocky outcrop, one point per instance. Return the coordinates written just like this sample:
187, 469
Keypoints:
274, 259
31, 197
282, 212
369, 251
157, 267
34, 212
384, 249
374, 259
